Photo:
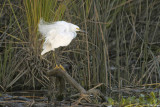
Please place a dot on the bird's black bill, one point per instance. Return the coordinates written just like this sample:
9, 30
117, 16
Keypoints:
82, 31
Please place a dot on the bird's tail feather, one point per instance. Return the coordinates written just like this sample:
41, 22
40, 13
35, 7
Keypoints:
46, 48
45, 27
42, 27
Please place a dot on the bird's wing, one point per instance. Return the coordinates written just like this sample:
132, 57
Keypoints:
63, 39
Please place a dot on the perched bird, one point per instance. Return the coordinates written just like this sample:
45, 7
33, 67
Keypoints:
57, 34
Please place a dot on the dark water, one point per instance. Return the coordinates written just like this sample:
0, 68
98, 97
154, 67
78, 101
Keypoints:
29, 99
24, 99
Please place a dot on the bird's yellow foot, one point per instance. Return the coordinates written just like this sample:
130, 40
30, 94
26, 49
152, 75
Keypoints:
60, 66
56, 67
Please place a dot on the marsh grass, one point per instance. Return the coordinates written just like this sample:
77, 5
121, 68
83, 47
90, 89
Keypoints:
120, 48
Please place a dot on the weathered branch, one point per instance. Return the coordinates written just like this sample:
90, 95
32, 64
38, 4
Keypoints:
58, 72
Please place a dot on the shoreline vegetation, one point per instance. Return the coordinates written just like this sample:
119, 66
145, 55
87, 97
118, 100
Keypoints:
120, 49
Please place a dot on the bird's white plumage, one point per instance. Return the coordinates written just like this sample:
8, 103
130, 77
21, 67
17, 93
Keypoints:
57, 34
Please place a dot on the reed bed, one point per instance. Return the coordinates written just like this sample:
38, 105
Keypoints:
120, 47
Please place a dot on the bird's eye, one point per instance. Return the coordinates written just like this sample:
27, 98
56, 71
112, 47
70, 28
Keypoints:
77, 28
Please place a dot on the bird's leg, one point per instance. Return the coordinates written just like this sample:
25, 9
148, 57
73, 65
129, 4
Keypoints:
60, 66
54, 56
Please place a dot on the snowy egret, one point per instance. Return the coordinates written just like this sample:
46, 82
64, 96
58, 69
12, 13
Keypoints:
57, 34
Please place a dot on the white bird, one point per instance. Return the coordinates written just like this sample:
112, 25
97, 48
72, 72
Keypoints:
57, 34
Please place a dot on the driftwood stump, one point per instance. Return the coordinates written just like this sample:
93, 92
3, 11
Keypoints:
61, 74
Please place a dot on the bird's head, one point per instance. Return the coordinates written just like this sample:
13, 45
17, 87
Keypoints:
75, 28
